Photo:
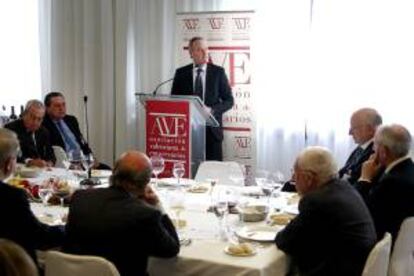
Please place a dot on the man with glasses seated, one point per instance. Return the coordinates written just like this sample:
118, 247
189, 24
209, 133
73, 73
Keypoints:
364, 123
333, 232
33, 137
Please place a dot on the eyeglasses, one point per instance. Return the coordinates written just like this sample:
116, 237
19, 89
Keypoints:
352, 128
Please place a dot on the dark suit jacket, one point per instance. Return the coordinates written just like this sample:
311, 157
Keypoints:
217, 94
56, 138
353, 165
391, 198
111, 223
43, 148
332, 235
20, 225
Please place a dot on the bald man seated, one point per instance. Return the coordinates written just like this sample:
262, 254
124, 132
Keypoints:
364, 123
123, 223
334, 232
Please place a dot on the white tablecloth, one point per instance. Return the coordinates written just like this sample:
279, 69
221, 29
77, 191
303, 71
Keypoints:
205, 255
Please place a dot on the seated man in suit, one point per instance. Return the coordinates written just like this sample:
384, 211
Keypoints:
18, 223
209, 82
123, 223
333, 232
64, 129
364, 123
33, 137
387, 179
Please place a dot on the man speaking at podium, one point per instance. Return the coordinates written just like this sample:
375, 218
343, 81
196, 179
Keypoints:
209, 82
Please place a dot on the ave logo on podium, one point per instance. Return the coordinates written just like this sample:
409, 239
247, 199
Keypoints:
169, 125
167, 133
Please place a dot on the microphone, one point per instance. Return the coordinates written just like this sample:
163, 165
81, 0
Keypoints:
85, 103
159, 85
88, 181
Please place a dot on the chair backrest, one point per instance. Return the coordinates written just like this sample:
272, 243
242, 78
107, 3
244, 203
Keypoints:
60, 155
402, 258
226, 172
63, 264
379, 258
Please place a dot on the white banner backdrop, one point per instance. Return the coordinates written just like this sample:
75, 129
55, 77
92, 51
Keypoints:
228, 35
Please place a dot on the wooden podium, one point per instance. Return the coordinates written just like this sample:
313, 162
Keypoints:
175, 129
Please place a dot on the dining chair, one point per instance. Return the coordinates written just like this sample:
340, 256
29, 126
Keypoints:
225, 172
379, 257
402, 257
63, 264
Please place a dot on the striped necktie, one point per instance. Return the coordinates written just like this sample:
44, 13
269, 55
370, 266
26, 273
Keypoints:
198, 87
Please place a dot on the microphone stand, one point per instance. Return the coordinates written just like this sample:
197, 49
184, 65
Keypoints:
89, 181
159, 85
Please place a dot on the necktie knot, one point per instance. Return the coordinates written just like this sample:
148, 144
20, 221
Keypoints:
199, 71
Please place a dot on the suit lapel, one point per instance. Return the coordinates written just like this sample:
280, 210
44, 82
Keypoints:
189, 77
209, 79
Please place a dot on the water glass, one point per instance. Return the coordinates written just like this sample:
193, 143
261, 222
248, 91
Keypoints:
45, 193
158, 165
178, 171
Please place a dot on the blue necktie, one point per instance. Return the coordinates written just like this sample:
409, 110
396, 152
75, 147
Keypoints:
70, 143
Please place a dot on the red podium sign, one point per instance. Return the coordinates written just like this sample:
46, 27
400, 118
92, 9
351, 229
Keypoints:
168, 133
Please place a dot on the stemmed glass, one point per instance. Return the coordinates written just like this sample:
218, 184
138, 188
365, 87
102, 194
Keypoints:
220, 209
67, 161
158, 165
213, 182
269, 183
61, 190
177, 204
178, 171
87, 163
75, 160
45, 192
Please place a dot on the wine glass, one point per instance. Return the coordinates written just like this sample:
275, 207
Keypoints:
158, 165
45, 192
261, 178
178, 171
177, 204
220, 209
66, 163
75, 159
61, 189
213, 182
87, 161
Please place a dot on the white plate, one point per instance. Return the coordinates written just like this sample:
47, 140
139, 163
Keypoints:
49, 219
27, 172
262, 233
227, 251
101, 173
291, 209
174, 182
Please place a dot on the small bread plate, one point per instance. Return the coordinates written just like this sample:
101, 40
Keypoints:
239, 250
262, 233
101, 173
173, 182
